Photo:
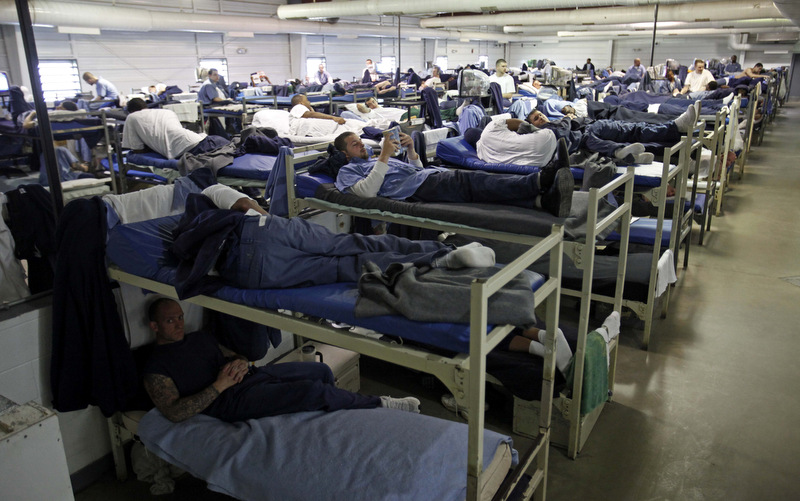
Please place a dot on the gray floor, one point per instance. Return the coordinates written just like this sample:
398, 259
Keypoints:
709, 412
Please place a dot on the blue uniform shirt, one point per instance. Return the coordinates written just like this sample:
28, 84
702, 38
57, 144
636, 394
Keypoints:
635, 71
400, 182
105, 89
208, 92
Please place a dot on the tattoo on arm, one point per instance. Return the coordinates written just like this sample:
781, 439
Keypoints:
164, 393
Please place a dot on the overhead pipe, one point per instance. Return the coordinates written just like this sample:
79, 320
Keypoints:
735, 44
356, 8
790, 9
741, 25
132, 19
700, 12
602, 35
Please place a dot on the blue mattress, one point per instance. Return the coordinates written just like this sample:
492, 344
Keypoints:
643, 231
248, 166
135, 174
352, 97
458, 152
143, 249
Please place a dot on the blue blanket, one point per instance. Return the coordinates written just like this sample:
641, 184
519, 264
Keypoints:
368, 454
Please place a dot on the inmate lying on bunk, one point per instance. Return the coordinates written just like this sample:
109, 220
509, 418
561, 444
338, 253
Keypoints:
549, 190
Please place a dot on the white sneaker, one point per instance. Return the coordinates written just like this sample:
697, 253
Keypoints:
449, 402
408, 404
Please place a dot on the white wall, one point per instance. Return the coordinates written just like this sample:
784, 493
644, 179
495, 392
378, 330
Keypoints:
25, 348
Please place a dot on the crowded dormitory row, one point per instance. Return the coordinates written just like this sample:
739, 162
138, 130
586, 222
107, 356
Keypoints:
432, 220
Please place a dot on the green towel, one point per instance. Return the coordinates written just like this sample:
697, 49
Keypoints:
595, 373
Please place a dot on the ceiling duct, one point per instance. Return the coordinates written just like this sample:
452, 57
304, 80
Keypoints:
409, 7
742, 25
790, 9
698, 12
106, 17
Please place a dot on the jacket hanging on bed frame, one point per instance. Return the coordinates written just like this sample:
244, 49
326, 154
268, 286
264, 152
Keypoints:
91, 363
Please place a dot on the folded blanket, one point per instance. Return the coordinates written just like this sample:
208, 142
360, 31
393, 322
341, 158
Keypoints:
440, 295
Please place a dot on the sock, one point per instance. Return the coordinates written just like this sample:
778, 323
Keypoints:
473, 255
563, 351
631, 149
612, 323
536, 348
687, 120
407, 404
644, 158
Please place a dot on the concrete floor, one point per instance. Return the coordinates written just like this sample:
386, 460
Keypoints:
709, 412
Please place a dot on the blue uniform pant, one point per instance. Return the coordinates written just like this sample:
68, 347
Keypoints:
274, 252
607, 136
283, 389
475, 186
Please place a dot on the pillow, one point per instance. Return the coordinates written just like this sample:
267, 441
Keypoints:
277, 119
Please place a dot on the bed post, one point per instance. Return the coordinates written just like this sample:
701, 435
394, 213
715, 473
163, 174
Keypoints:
477, 385
291, 198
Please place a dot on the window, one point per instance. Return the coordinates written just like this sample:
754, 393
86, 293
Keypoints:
60, 78
312, 66
483, 61
387, 64
441, 62
221, 65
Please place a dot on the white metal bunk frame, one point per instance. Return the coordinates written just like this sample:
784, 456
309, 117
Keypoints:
582, 255
463, 374
749, 115
715, 141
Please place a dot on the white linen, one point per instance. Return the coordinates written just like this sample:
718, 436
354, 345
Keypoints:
159, 130
498, 144
276, 119
142, 205
12, 275
187, 112
319, 127
666, 272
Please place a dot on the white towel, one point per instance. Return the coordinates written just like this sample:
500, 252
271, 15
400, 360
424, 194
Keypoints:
144, 204
666, 272
187, 112
12, 275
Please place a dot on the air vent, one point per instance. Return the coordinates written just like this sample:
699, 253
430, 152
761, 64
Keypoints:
790, 36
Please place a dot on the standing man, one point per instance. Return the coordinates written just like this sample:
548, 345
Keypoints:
104, 89
503, 79
636, 71
370, 73
589, 66
697, 80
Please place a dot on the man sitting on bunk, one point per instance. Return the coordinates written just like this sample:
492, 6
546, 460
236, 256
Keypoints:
161, 131
612, 138
698, 79
212, 90
304, 121
550, 190
104, 89
756, 71
190, 374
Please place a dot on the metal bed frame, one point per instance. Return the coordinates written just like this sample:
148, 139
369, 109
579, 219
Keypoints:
582, 254
749, 114
463, 374
714, 140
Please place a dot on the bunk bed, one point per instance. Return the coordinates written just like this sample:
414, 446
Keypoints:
139, 258
492, 222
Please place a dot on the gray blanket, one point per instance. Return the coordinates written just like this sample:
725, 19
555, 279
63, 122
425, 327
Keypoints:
438, 295
214, 160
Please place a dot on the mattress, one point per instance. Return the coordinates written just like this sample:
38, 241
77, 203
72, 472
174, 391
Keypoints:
361, 454
456, 151
248, 166
353, 97
143, 249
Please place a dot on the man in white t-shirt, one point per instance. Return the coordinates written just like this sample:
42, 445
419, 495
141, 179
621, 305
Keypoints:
697, 80
161, 131
499, 144
304, 121
503, 79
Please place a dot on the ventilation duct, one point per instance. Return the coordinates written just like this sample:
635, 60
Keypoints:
790, 9
408, 7
107, 17
698, 12
741, 25
735, 44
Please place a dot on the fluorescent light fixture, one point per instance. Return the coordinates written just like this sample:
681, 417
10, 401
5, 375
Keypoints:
44, 26
661, 24
202, 31
347, 36
76, 30
414, 39
241, 34
463, 39
776, 52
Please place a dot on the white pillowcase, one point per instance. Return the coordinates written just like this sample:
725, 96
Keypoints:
277, 119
